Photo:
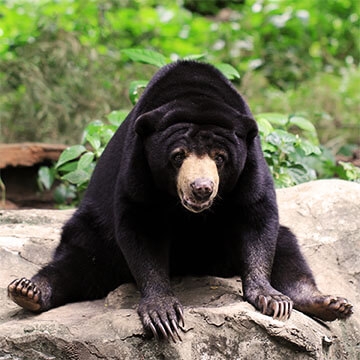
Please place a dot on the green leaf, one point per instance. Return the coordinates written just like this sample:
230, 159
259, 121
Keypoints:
283, 180
70, 166
274, 139
135, 86
46, 177
194, 57
117, 117
64, 192
77, 177
264, 126
347, 150
302, 123
352, 172
85, 161
275, 118
93, 128
286, 137
268, 147
229, 71
309, 148
94, 140
100, 151
106, 134
146, 56
70, 153
298, 174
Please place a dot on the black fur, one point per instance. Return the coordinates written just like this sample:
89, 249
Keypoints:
132, 226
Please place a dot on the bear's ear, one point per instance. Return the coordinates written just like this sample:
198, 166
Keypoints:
252, 130
150, 121
145, 123
248, 128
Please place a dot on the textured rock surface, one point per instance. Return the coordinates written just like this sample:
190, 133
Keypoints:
219, 324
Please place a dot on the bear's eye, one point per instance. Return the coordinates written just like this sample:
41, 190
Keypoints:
178, 157
219, 159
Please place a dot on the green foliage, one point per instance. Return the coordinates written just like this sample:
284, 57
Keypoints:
64, 63
349, 171
46, 177
152, 57
76, 163
331, 101
230, 72
135, 88
70, 153
146, 56
287, 152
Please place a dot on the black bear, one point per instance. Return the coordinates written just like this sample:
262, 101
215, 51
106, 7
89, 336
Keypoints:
181, 189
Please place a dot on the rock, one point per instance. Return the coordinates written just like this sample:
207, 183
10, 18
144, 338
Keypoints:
219, 324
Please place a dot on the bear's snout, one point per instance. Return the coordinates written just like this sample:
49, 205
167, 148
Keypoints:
197, 182
202, 188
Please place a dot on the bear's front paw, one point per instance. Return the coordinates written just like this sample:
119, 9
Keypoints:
279, 306
162, 313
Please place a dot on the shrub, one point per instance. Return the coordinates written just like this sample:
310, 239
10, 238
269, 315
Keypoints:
61, 63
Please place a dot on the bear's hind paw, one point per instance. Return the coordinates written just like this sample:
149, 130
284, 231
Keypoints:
327, 307
25, 293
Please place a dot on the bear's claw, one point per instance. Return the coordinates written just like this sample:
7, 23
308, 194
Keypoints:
176, 329
25, 293
161, 315
279, 306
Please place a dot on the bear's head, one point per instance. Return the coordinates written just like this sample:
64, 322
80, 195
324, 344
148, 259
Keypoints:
196, 150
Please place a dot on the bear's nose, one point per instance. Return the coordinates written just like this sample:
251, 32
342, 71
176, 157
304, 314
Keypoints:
202, 188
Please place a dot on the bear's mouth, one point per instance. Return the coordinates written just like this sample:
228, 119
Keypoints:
195, 206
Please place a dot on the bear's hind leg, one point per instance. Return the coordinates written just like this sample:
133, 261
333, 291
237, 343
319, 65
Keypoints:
83, 268
292, 276
71, 276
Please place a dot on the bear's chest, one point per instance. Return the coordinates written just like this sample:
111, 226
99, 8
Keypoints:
205, 243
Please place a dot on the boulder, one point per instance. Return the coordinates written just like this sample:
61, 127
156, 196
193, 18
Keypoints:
219, 324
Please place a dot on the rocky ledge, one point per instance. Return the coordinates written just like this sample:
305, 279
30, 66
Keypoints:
219, 324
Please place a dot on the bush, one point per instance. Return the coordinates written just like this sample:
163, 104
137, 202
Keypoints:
61, 63
331, 102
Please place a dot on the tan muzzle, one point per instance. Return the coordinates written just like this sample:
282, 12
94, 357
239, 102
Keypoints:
197, 182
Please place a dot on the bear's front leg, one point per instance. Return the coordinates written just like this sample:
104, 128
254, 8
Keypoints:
258, 244
159, 310
259, 292
148, 257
